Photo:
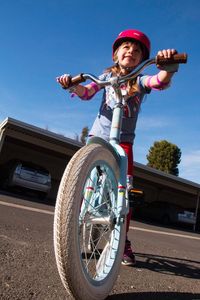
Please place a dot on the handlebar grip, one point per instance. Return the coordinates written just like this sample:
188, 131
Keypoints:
179, 58
76, 80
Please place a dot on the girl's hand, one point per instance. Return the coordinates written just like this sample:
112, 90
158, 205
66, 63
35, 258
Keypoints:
168, 53
64, 80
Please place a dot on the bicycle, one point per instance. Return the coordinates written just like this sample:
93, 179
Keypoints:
92, 204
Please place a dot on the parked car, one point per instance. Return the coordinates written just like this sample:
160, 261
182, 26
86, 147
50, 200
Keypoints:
29, 176
187, 217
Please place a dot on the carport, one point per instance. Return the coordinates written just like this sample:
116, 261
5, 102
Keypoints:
19, 140
159, 186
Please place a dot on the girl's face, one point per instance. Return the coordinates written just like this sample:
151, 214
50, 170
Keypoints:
129, 55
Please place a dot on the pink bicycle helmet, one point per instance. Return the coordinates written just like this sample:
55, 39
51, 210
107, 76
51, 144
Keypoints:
133, 34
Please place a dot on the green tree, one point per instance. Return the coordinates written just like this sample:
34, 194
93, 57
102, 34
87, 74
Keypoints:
164, 156
84, 135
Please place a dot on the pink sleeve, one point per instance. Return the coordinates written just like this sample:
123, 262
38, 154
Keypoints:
85, 95
161, 85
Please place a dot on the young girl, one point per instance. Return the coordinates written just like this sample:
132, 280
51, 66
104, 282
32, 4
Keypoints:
130, 48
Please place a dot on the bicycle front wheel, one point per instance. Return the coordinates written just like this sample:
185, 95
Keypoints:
88, 239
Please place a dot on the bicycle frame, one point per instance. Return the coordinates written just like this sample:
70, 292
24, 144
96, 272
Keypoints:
122, 196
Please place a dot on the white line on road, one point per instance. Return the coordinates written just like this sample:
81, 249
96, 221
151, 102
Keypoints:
131, 227
166, 233
27, 208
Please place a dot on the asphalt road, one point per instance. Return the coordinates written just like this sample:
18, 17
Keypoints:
168, 260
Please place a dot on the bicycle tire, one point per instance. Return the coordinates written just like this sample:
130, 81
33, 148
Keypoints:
69, 232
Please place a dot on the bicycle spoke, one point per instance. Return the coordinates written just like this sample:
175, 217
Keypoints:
100, 201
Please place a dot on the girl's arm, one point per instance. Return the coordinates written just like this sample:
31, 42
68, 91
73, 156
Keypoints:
85, 92
162, 79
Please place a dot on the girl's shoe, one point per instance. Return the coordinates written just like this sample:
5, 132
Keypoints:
128, 256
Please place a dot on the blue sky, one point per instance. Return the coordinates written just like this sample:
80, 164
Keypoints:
41, 39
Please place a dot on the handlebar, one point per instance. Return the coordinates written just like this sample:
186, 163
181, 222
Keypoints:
180, 58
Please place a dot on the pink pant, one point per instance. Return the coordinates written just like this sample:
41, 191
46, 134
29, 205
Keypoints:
128, 148
129, 151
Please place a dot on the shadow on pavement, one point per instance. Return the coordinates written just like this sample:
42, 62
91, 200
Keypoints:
155, 296
169, 265
28, 196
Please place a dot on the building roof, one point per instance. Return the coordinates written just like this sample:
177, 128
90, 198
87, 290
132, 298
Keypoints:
39, 132
162, 178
